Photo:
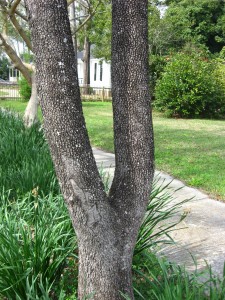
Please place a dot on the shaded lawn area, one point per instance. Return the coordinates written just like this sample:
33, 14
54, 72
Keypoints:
191, 150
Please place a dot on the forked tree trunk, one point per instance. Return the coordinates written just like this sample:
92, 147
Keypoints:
31, 112
106, 225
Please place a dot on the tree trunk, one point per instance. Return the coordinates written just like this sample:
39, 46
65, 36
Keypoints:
106, 225
72, 15
86, 65
31, 112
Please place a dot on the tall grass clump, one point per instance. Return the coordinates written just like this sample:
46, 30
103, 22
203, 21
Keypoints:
157, 279
25, 162
36, 238
157, 223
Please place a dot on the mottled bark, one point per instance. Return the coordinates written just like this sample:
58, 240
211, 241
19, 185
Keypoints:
106, 226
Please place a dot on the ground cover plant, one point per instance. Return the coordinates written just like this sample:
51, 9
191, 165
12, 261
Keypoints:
192, 150
36, 240
25, 163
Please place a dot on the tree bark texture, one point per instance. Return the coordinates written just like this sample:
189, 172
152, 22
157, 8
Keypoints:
106, 225
133, 133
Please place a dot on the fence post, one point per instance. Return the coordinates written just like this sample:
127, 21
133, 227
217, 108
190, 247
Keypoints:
103, 94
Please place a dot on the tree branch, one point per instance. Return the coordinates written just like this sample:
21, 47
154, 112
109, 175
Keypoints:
89, 17
18, 13
30, 67
11, 13
4, 6
70, 2
15, 59
14, 6
82, 4
21, 32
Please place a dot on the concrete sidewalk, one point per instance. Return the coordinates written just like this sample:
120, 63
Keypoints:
203, 230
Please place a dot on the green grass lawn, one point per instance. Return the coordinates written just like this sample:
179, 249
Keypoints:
191, 150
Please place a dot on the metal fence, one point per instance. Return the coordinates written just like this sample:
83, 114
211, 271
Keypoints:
95, 94
10, 91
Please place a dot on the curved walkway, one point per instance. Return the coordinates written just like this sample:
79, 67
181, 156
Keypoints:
201, 234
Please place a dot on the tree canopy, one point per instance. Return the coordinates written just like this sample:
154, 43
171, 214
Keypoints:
202, 22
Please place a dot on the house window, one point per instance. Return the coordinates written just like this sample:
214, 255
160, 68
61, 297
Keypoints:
95, 74
101, 71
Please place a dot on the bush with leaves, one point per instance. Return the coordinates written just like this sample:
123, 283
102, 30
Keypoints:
157, 64
24, 89
191, 86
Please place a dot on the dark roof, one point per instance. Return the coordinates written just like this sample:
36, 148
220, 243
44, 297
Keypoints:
80, 55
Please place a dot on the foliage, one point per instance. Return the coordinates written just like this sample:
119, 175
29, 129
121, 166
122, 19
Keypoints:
157, 64
191, 86
25, 162
34, 245
157, 224
162, 36
200, 21
157, 279
4, 70
24, 89
100, 31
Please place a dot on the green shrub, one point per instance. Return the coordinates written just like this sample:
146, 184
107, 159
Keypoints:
24, 89
191, 86
157, 64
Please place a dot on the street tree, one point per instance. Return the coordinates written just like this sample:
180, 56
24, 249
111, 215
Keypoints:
106, 225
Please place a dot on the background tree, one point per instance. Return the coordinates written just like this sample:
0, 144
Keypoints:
106, 225
14, 28
100, 33
4, 70
201, 22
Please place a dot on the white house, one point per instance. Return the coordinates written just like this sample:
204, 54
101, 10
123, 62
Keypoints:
14, 74
100, 72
